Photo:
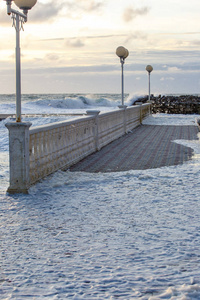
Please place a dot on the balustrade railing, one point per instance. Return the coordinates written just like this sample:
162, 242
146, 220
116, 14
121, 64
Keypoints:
62, 144
59, 145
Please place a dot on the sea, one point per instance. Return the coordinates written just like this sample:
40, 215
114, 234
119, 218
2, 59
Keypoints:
78, 235
63, 103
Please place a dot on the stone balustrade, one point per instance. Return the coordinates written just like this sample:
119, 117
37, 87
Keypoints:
37, 152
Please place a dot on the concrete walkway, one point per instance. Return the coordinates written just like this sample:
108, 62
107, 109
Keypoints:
147, 147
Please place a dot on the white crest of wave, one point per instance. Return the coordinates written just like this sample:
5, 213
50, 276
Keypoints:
132, 98
98, 100
62, 103
77, 102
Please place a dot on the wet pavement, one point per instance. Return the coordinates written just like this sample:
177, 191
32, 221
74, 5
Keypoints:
146, 147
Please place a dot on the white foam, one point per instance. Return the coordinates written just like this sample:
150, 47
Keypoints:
126, 235
170, 119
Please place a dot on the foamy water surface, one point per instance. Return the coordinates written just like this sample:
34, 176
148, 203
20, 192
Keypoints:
124, 235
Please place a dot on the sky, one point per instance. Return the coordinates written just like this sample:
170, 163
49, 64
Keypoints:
69, 46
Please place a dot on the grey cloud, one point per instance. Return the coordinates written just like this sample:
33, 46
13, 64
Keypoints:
74, 69
137, 35
52, 57
42, 12
131, 13
71, 9
196, 43
78, 41
129, 68
91, 5
75, 9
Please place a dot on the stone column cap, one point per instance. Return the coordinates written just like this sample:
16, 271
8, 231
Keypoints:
18, 124
122, 106
92, 112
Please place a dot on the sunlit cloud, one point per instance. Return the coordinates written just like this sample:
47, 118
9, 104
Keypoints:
131, 13
77, 39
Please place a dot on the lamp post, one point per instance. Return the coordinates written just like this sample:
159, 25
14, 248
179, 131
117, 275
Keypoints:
123, 54
19, 19
149, 69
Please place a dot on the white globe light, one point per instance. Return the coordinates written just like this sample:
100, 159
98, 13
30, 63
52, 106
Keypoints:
149, 68
126, 54
25, 4
121, 51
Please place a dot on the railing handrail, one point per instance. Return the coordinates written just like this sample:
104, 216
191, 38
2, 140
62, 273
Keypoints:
58, 124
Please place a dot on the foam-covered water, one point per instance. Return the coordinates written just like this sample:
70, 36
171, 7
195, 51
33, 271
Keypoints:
64, 103
59, 103
124, 235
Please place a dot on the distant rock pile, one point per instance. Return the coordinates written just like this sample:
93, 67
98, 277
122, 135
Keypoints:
184, 104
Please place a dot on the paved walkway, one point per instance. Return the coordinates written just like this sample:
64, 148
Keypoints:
147, 147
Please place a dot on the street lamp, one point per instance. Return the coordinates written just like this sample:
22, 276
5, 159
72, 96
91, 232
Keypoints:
19, 19
149, 69
123, 54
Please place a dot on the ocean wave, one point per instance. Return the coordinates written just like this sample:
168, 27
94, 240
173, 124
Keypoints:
79, 102
132, 98
64, 103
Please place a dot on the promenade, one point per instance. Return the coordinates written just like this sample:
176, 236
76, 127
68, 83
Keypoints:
146, 147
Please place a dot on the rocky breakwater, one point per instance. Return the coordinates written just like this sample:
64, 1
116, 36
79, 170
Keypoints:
184, 104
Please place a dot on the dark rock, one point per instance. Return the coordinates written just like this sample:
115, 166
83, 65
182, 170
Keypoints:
184, 104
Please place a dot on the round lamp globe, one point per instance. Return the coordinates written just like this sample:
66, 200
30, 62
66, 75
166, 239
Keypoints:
25, 4
121, 51
149, 68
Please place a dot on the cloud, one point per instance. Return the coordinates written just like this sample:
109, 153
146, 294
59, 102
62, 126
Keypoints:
173, 69
167, 78
71, 9
81, 41
131, 13
49, 11
137, 35
75, 43
43, 12
90, 5
195, 42
76, 9
52, 57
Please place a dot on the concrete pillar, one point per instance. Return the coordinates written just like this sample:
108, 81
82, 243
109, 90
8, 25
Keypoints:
124, 116
19, 157
95, 114
140, 103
